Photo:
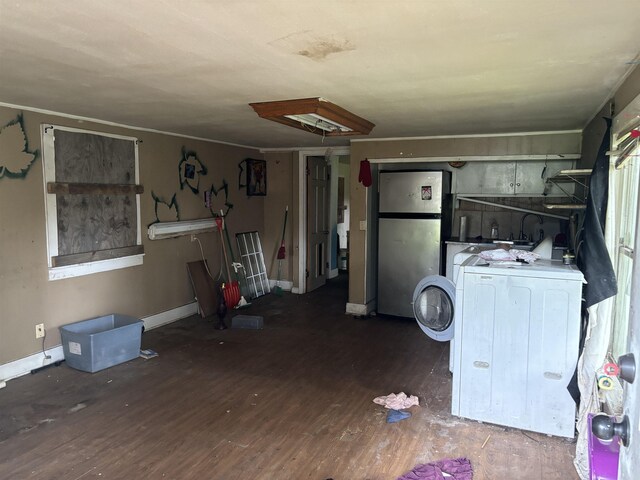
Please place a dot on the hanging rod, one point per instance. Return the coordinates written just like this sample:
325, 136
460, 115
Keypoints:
508, 207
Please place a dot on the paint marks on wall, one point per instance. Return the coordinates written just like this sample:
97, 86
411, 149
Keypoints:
166, 211
217, 198
190, 169
16, 158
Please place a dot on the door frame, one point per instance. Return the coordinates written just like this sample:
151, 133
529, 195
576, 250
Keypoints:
301, 234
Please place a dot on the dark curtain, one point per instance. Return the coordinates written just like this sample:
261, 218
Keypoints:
593, 257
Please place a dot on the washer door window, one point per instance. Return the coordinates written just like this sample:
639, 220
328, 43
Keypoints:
433, 307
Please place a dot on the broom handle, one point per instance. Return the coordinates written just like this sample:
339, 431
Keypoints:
224, 250
284, 227
233, 258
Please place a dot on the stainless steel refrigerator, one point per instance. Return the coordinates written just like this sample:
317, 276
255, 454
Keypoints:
414, 215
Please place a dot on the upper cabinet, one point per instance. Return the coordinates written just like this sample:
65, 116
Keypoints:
523, 177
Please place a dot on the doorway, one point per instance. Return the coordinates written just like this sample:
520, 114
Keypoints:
318, 202
318, 257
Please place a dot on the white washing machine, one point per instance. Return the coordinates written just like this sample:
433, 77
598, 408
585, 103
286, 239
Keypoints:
434, 302
516, 331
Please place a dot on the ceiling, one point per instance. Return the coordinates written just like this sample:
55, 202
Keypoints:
414, 68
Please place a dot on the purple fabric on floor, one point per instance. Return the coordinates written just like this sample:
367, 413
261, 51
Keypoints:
457, 468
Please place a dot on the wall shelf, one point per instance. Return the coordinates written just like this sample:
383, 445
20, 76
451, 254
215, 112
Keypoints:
574, 177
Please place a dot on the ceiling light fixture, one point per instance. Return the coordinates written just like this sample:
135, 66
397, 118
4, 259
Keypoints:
315, 115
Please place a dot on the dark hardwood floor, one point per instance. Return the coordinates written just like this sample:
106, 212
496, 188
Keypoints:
291, 401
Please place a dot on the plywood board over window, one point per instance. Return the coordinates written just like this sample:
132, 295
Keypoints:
92, 198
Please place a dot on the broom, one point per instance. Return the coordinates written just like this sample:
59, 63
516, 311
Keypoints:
237, 266
281, 254
230, 290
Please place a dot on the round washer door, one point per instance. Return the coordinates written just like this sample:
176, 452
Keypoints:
433, 306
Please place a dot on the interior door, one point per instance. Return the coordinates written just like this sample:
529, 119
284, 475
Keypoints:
317, 222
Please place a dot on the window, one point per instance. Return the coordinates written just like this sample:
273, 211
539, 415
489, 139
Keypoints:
92, 201
626, 182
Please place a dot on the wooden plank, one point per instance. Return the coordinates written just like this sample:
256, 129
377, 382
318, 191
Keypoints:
74, 259
204, 287
65, 188
94, 157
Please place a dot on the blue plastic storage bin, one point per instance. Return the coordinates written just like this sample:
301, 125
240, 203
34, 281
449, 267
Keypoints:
102, 342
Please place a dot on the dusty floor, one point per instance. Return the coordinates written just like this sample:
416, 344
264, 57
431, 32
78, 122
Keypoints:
291, 401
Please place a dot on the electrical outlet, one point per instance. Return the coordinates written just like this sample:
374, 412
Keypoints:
193, 237
40, 330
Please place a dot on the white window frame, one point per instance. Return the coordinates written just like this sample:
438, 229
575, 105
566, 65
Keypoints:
624, 180
51, 212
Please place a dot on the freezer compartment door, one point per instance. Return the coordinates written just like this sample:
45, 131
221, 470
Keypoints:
408, 250
411, 192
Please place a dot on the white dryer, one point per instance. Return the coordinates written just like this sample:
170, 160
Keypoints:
516, 331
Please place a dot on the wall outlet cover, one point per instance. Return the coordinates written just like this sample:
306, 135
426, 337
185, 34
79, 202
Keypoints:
40, 330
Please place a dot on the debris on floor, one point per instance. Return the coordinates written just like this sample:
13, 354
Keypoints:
397, 401
449, 469
394, 416
148, 353
254, 322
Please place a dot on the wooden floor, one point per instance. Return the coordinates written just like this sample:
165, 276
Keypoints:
291, 401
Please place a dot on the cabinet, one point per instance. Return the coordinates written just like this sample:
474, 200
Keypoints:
525, 177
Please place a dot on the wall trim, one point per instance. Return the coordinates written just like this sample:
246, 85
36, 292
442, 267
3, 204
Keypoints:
339, 150
285, 285
332, 273
359, 308
473, 135
169, 316
22, 366
479, 158
120, 125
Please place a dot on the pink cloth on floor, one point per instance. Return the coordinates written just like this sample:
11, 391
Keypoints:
455, 469
397, 402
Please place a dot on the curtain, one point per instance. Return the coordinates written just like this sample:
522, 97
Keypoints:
599, 295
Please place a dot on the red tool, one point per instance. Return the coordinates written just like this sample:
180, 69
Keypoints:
231, 289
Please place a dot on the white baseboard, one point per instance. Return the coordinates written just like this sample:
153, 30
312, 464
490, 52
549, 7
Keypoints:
285, 285
22, 366
295, 290
332, 273
359, 308
162, 318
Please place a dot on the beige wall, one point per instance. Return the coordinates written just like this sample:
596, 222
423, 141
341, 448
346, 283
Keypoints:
280, 167
362, 243
160, 284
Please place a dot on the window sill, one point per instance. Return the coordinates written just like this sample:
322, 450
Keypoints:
70, 271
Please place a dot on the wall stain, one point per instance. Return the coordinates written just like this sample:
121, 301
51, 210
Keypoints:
18, 163
322, 48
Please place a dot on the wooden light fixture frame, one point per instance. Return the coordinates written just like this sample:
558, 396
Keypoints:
277, 110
